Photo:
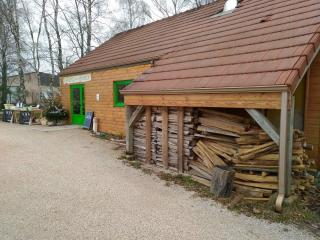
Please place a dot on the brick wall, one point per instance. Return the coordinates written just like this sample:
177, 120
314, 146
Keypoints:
110, 119
312, 116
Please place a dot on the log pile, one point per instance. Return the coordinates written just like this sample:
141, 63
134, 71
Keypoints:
232, 140
156, 140
189, 125
139, 139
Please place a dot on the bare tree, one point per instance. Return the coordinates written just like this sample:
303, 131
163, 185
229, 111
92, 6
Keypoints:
34, 33
46, 27
199, 3
87, 5
80, 18
132, 13
4, 39
58, 34
172, 7
10, 12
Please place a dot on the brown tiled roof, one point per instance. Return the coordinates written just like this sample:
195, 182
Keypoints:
145, 43
263, 43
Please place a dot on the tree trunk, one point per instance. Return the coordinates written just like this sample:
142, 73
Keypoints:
4, 76
56, 28
49, 45
89, 25
80, 28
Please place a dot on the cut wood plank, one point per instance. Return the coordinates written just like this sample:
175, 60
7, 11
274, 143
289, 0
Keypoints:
271, 186
255, 169
262, 192
201, 181
256, 199
259, 148
216, 138
256, 178
165, 148
268, 157
214, 158
215, 130
227, 126
148, 135
180, 140
232, 117
203, 157
200, 171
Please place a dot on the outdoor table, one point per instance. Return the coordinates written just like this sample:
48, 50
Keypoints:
16, 114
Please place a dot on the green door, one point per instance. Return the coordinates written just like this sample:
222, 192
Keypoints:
77, 104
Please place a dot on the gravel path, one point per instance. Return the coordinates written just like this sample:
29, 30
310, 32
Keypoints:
68, 185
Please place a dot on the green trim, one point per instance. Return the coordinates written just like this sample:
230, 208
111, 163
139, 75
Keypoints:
116, 92
77, 119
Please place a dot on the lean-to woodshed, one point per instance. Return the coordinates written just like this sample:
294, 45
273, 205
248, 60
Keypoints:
248, 76
262, 58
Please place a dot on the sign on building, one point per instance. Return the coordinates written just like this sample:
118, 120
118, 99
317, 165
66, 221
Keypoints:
77, 79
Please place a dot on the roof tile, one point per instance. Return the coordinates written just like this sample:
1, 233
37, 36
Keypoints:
260, 44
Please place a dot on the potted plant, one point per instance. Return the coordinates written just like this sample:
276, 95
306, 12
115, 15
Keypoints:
54, 113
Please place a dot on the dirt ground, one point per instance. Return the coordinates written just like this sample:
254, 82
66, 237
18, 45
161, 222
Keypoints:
65, 184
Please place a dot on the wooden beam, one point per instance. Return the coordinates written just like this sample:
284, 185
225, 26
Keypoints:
180, 140
129, 130
283, 151
290, 146
136, 115
165, 149
265, 124
268, 100
148, 135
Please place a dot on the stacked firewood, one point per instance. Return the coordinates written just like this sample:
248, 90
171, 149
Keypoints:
232, 140
139, 139
156, 139
189, 125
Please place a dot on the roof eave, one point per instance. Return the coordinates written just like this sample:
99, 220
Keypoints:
262, 89
144, 61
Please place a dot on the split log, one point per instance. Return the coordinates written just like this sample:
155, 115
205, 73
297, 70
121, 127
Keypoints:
222, 182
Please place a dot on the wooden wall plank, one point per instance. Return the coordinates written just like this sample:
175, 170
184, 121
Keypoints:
225, 100
129, 130
312, 110
148, 135
111, 119
180, 140
165, 150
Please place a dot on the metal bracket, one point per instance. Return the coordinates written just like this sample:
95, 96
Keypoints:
265, 124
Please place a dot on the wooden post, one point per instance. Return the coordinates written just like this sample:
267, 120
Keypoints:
165, 150
129, 131
180, 139
290, 146
283, 151
148, 135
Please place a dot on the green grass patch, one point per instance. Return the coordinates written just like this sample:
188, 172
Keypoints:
135, 164
187, 182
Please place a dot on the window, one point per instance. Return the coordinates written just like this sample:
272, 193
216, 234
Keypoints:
118, 98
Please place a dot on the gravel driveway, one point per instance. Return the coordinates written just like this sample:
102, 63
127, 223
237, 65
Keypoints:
69, 185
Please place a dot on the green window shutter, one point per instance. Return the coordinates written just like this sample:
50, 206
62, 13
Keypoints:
118, 98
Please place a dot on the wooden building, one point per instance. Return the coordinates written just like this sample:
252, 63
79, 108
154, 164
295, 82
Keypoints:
261, 58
